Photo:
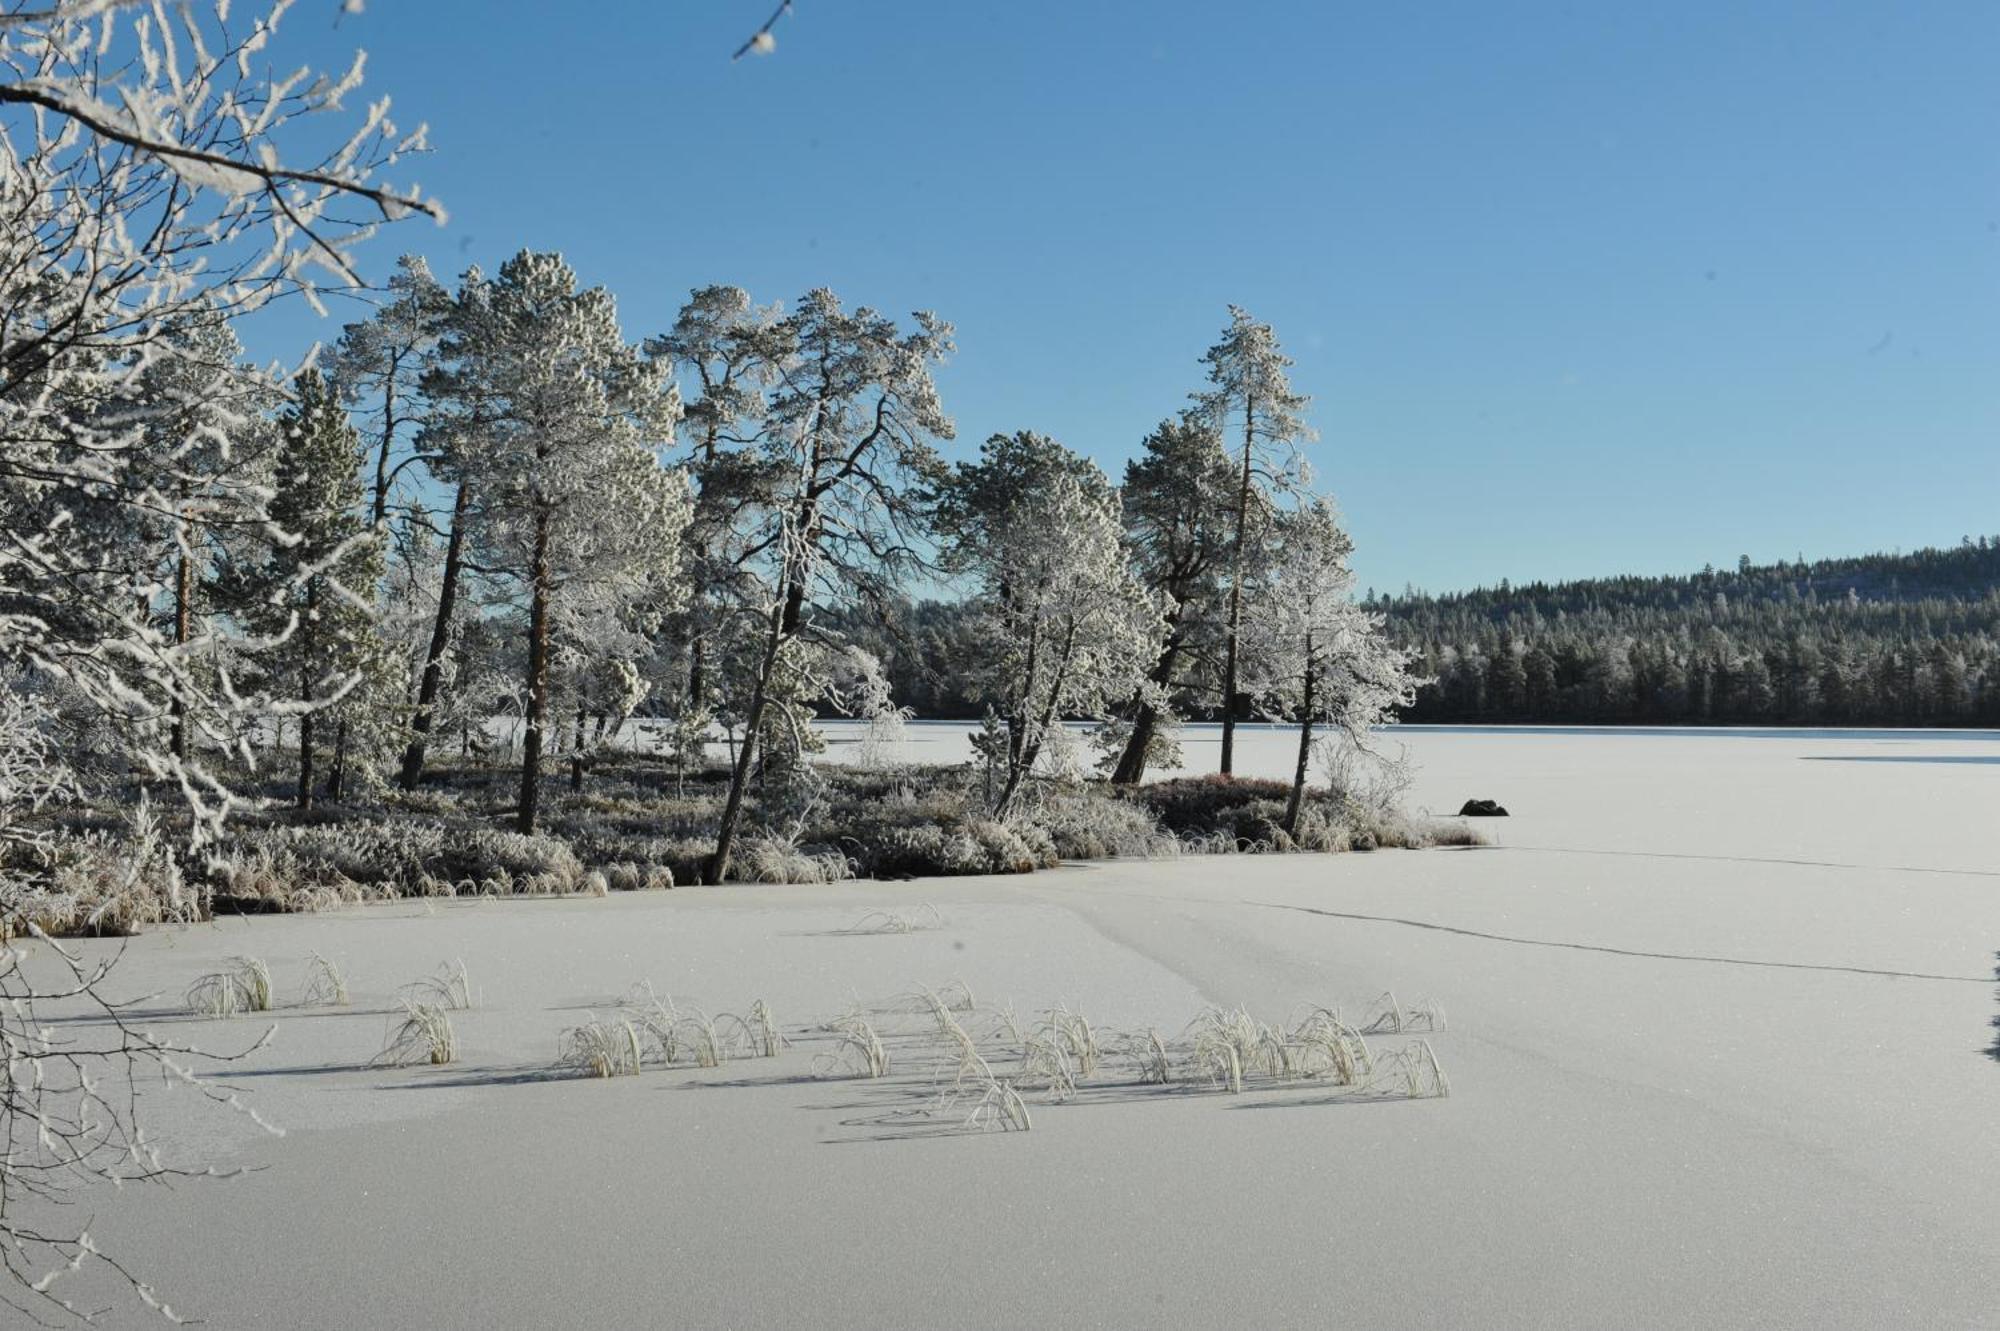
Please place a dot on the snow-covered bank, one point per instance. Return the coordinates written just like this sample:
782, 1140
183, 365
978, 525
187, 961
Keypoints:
1716, 1009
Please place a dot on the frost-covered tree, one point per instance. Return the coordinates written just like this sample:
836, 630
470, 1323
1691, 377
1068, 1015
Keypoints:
1178, 505
1250, 405
146, 186
560, 422
728, 351
1316, 656
203, 462
147, 179
846, 438
1063, 626
377, 368
313, 591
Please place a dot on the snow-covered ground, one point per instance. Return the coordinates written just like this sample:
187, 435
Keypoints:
1716, 1011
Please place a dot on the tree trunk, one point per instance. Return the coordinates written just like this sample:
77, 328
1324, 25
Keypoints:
1305, 756
538, 677
308, 631
739, 779
388, 441
576, 752
1236, 593
784, 623
336, 779
433, 677
183, 630
1131, 769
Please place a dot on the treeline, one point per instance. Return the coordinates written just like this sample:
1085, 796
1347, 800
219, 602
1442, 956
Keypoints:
1906, 640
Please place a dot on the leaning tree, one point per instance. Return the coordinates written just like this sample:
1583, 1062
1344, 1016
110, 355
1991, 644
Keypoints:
846, 437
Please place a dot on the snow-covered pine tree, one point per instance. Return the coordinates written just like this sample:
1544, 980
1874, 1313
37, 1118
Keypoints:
1316, 656
313, 591
195, 484
377, 369
1250, 405
846, 437
727, 350
1066, 629
558, 422
1178, 501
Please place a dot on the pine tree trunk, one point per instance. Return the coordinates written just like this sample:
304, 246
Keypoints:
717, 867
183, 630
336, 779
1305, 756
1229, 693
538, 676
1131, 769
433, 677
308, 631
784, 623
576, 753
388, 440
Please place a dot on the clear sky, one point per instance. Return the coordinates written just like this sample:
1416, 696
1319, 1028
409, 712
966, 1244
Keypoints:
1579, 288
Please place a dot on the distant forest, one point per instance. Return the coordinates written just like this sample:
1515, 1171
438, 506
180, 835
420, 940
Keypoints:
1903, 639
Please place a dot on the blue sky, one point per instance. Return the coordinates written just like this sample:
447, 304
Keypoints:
1576, 288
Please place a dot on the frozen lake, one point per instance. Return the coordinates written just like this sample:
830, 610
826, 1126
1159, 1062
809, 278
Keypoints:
1717, 1010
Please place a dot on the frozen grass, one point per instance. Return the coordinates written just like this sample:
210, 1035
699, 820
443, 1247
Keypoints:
1411, 1072
1071, 1032
450, 989
325, 985
1045, 1065
755, 1032
859, 1050
600, 1049
988, 1062
925, 917
423, 1034
243, 986
1151, 1064
1326, 1047
999, 1107
1389, 1017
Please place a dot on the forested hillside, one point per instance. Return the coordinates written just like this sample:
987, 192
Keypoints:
1905, 639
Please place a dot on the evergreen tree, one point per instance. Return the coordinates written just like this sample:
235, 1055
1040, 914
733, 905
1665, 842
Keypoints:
314, 587
1250, 404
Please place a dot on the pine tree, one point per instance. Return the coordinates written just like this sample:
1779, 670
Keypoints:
1063, 626
1251, 406
1315, 654
1177, 528
313, 587
557, 423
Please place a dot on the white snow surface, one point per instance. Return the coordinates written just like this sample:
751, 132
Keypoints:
1717, 1005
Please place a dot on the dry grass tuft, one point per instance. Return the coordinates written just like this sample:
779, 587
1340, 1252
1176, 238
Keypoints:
924, 918
450, 989
1389, 1017
325, 985
600, 1049
859, 1050
244, 985
422, 1035
756, 1032
1412, 1071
